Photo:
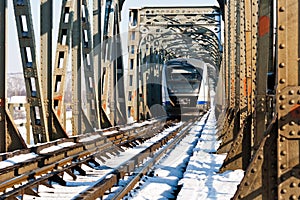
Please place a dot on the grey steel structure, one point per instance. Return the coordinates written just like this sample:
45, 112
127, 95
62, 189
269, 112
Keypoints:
155, 36
259, 67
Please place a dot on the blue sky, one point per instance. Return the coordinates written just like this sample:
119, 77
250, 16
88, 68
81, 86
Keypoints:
14, 58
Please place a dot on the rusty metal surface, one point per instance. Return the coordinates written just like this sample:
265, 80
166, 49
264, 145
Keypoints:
259, 181
288, 99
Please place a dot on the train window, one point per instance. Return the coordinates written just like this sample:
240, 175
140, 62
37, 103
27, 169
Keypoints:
132, 49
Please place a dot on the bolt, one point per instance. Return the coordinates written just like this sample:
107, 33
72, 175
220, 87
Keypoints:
292, 133
283, 153
282, 65
293, 184
291, 102
291, 92
282, 9
282, 139
282, 97
282, 107
283, 191
293, 197
281, 27
292, 123
282, 46
282, 80
283, 166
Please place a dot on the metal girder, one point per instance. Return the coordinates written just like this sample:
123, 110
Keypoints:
288, 99
264, 61
112, 99
87, 54
182, 32
54, 126
239, 155
61, 57
31, 72
10, 138
76, 70
279, 147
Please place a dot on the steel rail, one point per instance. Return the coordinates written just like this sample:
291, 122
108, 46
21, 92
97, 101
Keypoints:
35, 171
132, 166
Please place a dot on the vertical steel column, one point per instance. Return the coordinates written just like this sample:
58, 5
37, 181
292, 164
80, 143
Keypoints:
243, 90
119, 71
97, 50
76, 70
252, 71
30, 69
61, 57
232, 51
240, 153
88, 61
288, 99
265, 43
133, 66
232, 125
46, 59
3, 47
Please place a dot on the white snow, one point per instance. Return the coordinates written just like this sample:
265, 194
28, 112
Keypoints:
201, 179
57, 147
17, 159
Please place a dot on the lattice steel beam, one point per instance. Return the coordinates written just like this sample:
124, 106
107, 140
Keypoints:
288, 99
61, 57
10, 138
30, 69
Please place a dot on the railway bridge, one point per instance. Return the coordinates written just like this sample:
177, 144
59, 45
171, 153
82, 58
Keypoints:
250, 47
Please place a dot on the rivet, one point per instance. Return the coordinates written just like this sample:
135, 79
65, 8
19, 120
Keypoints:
260, 157
281, 65
282, 139
291, 92
292, 102
292, 133
283, 118
282, 80
283, 191
282, 46
283, 166
253, 170
281, 27
293, 197
282, 128
293, 184
282, 97
283, 153
282, 9
292, 123
241, 196
282, 107
247, 183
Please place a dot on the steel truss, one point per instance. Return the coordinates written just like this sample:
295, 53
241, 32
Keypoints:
158, 34
261, 133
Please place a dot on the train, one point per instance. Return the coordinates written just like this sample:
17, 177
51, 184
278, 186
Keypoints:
185, 89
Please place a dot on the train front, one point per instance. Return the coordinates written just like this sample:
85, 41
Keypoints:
181, 87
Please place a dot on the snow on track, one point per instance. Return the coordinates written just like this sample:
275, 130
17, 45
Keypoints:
200, 180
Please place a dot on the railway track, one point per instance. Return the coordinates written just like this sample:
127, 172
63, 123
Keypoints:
22, 170
79, 158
